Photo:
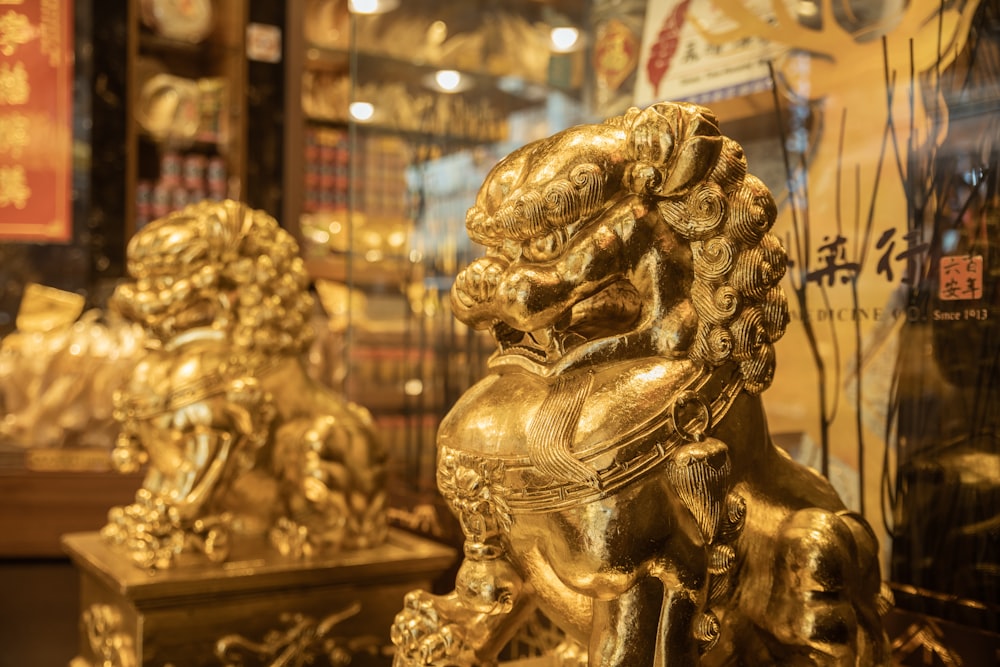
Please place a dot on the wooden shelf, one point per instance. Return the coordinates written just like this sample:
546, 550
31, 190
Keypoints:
152, 43
39, 507
222, 56
512, 92
388, 273
450, 142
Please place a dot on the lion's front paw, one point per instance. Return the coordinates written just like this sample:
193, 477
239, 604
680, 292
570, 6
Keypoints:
424, 633
476, 285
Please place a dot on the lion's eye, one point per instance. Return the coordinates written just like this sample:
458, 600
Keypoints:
543, 248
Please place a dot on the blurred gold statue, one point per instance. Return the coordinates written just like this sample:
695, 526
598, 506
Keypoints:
614, 469
58, 372
239, 441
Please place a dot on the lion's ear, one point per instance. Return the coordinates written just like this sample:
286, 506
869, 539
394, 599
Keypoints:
695, 159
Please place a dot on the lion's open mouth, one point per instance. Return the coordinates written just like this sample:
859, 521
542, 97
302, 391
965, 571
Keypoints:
543, 346
609, 313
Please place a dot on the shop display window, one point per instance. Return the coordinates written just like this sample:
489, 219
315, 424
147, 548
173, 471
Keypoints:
367, 130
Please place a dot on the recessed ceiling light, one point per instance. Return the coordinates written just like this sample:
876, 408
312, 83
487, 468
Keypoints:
448, 81
363, 111
372, 6
564, 38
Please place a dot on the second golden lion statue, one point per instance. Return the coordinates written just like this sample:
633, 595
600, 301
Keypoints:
241, 446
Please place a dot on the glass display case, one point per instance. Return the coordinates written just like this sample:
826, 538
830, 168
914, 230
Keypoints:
394, 119
187, 105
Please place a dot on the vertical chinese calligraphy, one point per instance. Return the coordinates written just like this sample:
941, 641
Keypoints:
13, 134
14, 86
36, 85
14, 190
15, 29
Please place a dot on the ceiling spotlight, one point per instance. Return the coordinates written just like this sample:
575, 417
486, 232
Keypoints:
362, 111
564, 38
372, 6
448, 81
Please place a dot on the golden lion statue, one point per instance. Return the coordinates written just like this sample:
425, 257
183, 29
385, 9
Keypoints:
240, 443
614, 468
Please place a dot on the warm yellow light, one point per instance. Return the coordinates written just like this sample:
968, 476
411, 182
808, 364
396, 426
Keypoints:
447, 81
564, 38
372, 6
362, 111
396, 239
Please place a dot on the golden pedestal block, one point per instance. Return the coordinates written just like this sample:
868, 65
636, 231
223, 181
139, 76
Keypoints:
255, 609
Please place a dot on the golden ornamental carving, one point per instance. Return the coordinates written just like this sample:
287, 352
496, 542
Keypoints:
239, 443
614, 467
58, 372
14, 86
109, 644
924, 641
301, 640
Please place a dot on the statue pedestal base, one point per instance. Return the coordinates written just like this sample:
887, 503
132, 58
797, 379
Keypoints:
259, 609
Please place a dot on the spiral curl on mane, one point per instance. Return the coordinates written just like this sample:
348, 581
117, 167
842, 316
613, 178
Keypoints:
774, 309
730, 169
714, 259
699, 182
751, 207
533, 213
699, 214
716, 307
749, 334
713, 344
758, 372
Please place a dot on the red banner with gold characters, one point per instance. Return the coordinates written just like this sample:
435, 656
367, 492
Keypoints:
36, 120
